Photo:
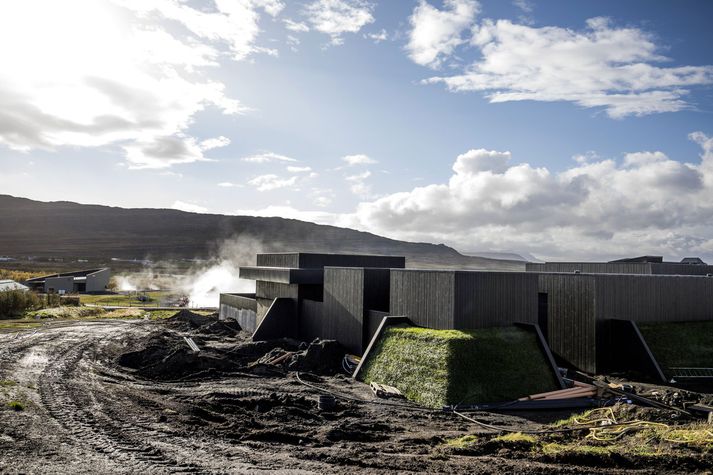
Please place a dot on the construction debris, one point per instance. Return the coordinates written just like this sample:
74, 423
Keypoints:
385, 391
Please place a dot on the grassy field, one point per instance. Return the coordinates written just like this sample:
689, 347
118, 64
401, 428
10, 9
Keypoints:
125, 300
39, 318
442, 367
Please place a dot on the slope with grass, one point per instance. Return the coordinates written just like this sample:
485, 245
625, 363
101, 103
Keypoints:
443, 367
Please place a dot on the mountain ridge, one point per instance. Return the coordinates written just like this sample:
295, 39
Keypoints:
68, 229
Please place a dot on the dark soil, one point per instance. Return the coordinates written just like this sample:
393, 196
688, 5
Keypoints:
132, 397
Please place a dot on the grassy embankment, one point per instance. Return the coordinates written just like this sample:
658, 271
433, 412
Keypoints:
680, 344
442, 367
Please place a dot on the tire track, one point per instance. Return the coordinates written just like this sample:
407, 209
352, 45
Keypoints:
95, 426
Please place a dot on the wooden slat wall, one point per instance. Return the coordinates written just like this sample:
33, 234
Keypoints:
488, 299
343, 309
591, 267
309, 261
673, 268
311, 320
306, 260
291, 259
265, 292
425, 297
572, 317
656, 298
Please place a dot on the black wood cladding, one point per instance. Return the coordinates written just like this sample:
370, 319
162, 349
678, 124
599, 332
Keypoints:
462, 299
307, 260
580, 304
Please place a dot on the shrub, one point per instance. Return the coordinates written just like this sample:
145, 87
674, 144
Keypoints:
16, 406
13, 303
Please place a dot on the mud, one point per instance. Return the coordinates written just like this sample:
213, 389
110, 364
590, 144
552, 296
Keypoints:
130, 396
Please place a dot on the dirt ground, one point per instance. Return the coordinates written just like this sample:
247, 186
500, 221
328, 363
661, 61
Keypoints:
128, 396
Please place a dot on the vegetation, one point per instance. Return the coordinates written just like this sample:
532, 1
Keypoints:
625, 435
16, 405
680, 344
442, 367
464, 442
5, 383
144, 299
14, 303
20, 275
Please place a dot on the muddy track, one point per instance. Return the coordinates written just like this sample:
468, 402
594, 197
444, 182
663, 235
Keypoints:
125, 442
85, 413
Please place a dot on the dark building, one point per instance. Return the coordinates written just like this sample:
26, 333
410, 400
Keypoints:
576, 309
635, 265
346, 297
309, 295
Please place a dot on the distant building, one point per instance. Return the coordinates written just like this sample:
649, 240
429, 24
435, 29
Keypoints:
8, 284
633, 265
693, 261
84, 281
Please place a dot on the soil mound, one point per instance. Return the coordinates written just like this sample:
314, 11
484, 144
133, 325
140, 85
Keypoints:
168, 357
187, 320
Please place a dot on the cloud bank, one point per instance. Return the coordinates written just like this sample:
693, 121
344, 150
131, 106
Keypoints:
618, 69
645, 203
137, 84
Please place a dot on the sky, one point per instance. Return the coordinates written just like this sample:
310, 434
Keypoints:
568, 130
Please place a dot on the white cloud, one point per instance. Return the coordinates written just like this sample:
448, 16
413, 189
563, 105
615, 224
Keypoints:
216, 142
293, 169
268, 157
358, 184
189, 207
295, 26
272, 182
435, 33
646, 203
94, 73
228, 184
290, 212
378, 37
336, 17
600, 66
358, 159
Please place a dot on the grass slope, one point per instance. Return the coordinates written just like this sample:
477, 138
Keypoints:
680, 344
441, 367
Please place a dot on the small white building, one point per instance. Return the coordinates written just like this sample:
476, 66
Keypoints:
7, 284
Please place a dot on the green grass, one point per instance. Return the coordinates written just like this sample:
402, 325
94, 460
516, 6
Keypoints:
680, 344
442, 367
16, 405
125, 300
462, 442
6, 383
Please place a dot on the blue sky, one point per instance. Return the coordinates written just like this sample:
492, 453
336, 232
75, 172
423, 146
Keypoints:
564, 129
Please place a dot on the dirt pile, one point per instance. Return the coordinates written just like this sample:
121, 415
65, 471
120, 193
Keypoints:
167, 355
319, 357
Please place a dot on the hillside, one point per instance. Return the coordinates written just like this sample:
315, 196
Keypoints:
65, 229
